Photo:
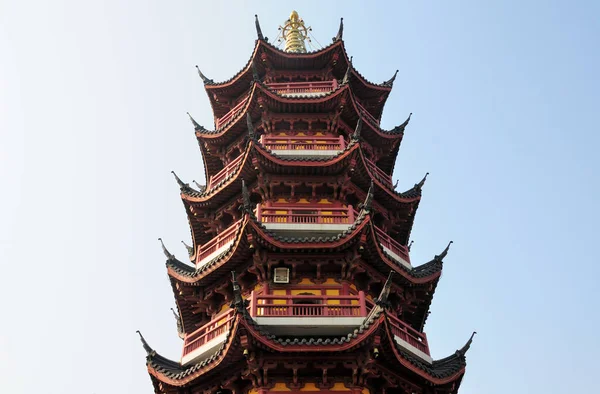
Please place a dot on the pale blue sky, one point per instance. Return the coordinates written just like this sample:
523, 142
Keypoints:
93, 96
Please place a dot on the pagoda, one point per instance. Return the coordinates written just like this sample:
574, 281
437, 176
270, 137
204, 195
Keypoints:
300, 277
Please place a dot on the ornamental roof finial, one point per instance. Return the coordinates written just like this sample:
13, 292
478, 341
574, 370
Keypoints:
251, 133
368, 203
246, 204
389, 83
410, 245
204, 79
382, 300
147, 348
340, 32
189, 248
181, 184
294, 32
238, 302
255, 75
196, 124
258, 30
168, 254
441, 256
357, 130
201, 188
461, 352
420, 184
346, 78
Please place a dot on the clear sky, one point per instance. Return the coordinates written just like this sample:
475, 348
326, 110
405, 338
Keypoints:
93, 97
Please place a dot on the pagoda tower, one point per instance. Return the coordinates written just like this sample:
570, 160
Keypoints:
300, 276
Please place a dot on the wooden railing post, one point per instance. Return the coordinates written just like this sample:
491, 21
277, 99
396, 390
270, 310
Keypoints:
362, 303
253, 303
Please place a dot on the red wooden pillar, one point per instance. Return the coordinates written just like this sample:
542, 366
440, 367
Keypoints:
362, 303
253, 307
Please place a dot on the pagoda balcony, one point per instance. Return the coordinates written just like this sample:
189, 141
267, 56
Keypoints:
303, 146
217, 245
410, 339
367, 115
231, 114
393, 248
229, 169
308, 314
206, 340
379, 173
315, 88
297, 220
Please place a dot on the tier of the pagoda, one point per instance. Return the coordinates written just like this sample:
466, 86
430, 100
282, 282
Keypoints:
220, 345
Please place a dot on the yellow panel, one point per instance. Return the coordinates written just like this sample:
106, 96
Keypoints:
280, 387
279, 292
366, 391
296, 291
310, 387
325, 201
301, 134
332, 292
330, 281
319, 133
303, 201
339, 387
253, 391
305, 281
224, 308
281, 200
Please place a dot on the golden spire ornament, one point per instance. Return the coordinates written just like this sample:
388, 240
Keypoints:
294, 32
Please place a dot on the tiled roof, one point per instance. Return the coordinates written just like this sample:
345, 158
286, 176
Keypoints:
442, 368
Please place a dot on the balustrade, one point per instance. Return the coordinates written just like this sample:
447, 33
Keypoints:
305, 215
392, 245
303, 87
406, 333
216, 327
262, 305
225, 172
209, 249
304, 143
379, 173
229, 115
367, 115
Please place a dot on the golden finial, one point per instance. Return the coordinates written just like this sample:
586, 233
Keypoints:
294, 32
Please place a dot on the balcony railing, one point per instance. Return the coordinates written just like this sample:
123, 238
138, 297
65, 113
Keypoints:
378, 172
199, 342
308, 305
367, 115
405, 333
229, 115
293, 144
305, 215
393, 248
303, 87
217, 245
225, 172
